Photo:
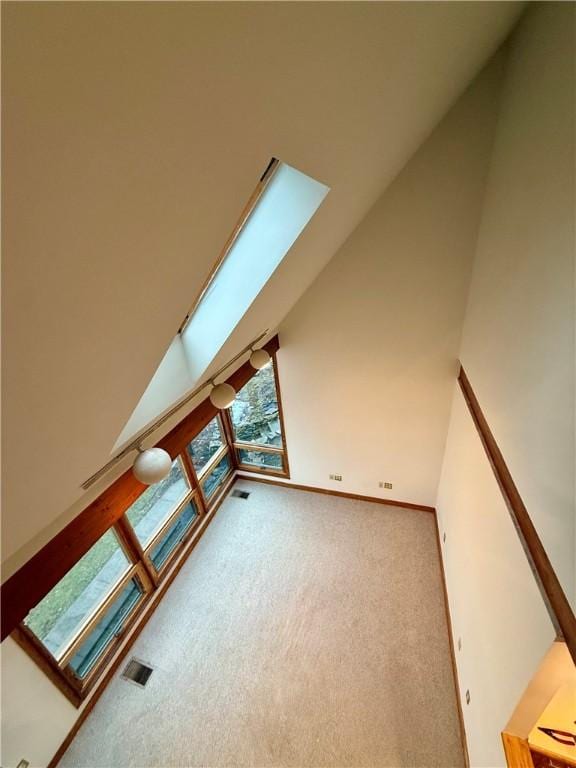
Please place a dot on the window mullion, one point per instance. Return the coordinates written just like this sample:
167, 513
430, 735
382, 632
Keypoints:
220, 453
286, 463
89, 625
258, 447
167, 523
136, 552
229, 435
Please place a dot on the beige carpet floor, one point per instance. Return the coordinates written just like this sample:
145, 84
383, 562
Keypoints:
304, 630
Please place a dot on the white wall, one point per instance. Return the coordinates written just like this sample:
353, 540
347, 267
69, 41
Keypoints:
131, 147
518, 343
518, 351
171, 382
495, 605
36, 717
368, 355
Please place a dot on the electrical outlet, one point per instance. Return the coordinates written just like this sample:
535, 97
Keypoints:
382, 484
331, 477
337, 477
467, 696
23, 764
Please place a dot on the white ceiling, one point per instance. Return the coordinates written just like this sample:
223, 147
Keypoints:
133, 135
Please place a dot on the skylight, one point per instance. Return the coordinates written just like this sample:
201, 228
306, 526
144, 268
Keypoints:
286, 200
286, 206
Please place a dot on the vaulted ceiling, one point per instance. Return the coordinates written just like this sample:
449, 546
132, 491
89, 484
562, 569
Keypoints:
133, 134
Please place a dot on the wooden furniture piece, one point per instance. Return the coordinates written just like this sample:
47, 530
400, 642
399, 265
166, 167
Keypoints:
548, 702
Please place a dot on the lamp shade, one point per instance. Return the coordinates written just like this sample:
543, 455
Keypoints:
222, 396
152, 465
259, 359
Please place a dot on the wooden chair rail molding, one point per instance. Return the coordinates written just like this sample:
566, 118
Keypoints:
557, 604
25, 588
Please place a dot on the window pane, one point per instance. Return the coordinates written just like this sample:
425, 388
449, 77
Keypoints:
154, 507
59, 616
265, 237
261, 459
255, 411
206, 444
217, 476
173, 535
107, 628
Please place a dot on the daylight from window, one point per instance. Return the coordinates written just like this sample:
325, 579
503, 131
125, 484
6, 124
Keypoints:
58, 617
255, 414
157, 503
256, 423
205, 445
289, 200
288, 203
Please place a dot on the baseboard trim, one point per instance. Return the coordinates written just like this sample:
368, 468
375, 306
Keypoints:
139, 626
99, 690
328, 492
451, 641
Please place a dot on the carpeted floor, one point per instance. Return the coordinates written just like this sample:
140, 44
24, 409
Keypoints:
304, 630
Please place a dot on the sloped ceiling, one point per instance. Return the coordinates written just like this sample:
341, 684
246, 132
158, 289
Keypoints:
133, 134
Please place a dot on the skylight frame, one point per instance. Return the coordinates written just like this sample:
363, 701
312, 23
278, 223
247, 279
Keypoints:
247, 211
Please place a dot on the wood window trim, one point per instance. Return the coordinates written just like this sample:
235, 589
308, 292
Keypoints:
258, 448
212, 462
194, 497
143, 570
210, 500
240, 445
159, 532
27, 586
262, 470
281, 413
134, 632
107, 512
169, 520
253, 200
75, 689
93, 620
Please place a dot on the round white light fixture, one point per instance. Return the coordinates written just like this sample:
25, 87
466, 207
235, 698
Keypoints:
222, 396
152, 465
259, 359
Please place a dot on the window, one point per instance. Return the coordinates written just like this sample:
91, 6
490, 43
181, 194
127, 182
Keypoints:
173, 535
284, 203
217, 476
83, 615
77, 627
279, 209
111, 623
262, 459
149, 513
210, 456
256, 423
206, 444
163, 515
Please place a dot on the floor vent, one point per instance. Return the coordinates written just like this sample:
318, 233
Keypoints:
241, 494
137, 672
